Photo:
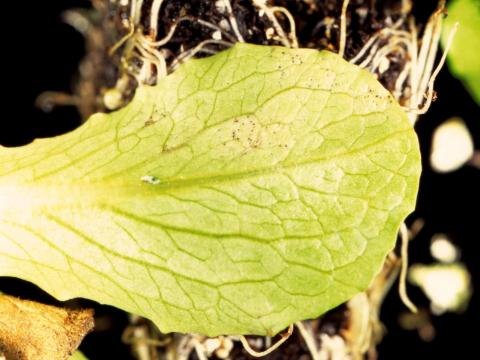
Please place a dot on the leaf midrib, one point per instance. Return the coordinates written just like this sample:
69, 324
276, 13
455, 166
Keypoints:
164, 185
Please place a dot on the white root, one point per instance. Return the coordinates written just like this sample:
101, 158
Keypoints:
343, 28
233, 20
254, 353
154, 15
402, 283
123, 40
184, 56
401, 80
293, 32
287, 41
147, 47
415, 81
430, 91
309, 340
374, 38
216, 28
391, 47
199, 350
370, 56
413, 59
135, 10
422, 79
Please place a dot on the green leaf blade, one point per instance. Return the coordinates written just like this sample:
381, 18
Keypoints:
463, 59
246, 191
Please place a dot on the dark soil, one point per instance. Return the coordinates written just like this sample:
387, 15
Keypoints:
364, 18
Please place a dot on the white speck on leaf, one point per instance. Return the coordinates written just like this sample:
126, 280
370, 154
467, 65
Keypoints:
150, 179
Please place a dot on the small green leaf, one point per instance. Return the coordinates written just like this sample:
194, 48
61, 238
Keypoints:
463, 59
78, 355
244, 192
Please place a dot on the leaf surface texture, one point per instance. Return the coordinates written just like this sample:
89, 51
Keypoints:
244, 192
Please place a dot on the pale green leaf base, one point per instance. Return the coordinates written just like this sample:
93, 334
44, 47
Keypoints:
245, 192
78, 355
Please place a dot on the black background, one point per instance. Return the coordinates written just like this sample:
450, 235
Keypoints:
42, 53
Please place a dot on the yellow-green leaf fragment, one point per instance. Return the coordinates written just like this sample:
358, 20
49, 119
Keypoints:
463, 59
244, 192
78, 355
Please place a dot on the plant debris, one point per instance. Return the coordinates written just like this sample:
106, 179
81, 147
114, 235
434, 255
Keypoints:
33, 331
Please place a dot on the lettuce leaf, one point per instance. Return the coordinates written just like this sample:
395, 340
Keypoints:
244, 192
